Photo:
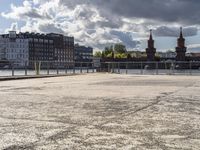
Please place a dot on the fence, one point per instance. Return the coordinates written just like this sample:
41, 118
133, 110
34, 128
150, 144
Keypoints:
152, 68
62, 68
44, 68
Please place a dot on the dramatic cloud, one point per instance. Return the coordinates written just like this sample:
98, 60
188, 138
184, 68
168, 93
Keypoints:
125, 38
25, 12
175, 31
98, 23
182, 11
194, 48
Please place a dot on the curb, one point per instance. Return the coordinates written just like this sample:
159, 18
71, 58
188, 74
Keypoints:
34, 77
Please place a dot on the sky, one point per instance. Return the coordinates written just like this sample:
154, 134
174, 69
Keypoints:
100, 23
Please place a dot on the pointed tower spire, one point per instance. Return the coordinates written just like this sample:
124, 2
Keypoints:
181, 40
151, 37
181, 32
151, 41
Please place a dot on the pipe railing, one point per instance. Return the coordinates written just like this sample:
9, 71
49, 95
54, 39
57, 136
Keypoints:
44, 68
57, 68
156, 68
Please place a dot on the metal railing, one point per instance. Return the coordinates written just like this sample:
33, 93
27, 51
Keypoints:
152, 68
32, 68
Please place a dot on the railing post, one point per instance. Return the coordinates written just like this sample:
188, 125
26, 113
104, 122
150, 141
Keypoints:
81, 69
172, 68
48, 68
190, 68
157, 68
66, 68
74, 65
100, 68
112, 67
35, 64
25, 68
108, 67
126, 68
87, 68
37, 67
118, 68
13, 69
57, 68
93, 67
141, 68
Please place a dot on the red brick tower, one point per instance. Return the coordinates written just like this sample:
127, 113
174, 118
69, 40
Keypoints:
181, 49
151, 50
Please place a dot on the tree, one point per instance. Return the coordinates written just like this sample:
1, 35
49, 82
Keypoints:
103, 54
110, 55
113, 55
98, 54
120, 48
119, 56
108, 50
129, 56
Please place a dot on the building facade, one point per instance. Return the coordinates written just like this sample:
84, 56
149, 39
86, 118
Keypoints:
40, 47
14, 48
63, 47
2, 48
31, 47
151, 50
83, 54
167, 55
181, 49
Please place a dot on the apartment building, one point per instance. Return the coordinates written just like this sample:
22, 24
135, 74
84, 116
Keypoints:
14, 48
83, 53
31, 47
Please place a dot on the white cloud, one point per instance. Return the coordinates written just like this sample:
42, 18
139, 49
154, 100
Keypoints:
94, 23
13, 27
172, 31
194, 48
86, 24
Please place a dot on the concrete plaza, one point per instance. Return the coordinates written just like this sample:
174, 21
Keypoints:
101, 111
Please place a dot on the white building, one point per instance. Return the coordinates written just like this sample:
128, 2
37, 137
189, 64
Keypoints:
168, 54
14, 49
2, 48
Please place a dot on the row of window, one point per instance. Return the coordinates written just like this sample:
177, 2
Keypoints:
17, 40
40, 40
65, 57
41, 46
17, 45
17, 56
89, 54
16, 51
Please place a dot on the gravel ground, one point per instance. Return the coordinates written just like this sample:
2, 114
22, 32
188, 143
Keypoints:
101, 111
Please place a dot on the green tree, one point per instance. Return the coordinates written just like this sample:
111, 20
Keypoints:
103, 54
108, 50
124, 55
118, 55
120, 48
98, 54
110, 55
129, 56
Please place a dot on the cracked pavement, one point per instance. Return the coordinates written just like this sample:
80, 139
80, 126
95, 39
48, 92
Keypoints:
101, 111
